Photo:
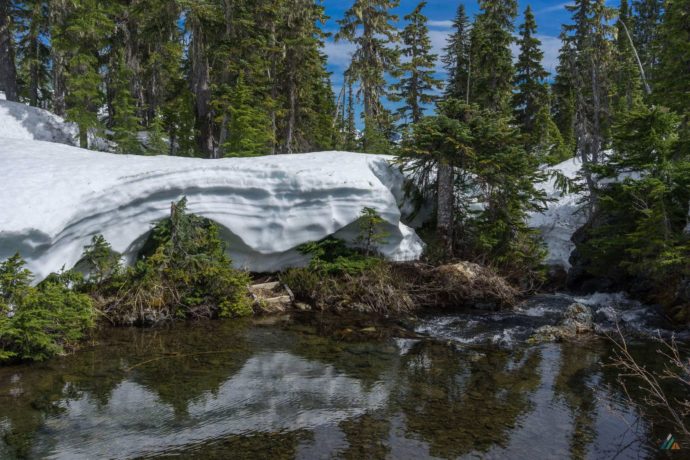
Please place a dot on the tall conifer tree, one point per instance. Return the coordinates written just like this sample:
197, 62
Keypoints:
8, 70
33, 51
627, 78
531, 94
492, 60
350, 122
417, 82
87, 28
304, 81
644, 28
563, 93
369, 25
672, 87
126, 123
589, 39
456, 58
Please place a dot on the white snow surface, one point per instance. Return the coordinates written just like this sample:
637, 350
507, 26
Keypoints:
54, 198
20, 121
562, 218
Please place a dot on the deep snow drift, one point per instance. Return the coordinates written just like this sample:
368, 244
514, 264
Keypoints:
54, 198
562, 218
20, 121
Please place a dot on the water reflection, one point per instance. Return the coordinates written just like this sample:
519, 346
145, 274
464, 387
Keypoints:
459, 404
290, 390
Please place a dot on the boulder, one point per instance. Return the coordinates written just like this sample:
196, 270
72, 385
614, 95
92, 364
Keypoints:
577, 319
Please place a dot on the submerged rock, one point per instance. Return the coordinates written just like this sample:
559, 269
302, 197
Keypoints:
271, 298
577, 320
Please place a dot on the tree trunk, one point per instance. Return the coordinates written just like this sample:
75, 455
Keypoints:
273, 78
83, 137
57, 8
444, 206
202, 90
33, 83
8, 71
292, 117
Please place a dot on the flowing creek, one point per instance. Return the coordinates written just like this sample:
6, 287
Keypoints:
317, 386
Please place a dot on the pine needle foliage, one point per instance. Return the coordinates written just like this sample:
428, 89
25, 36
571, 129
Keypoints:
39, 322
184, 273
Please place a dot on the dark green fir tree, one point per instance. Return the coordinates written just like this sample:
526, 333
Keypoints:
492, 60
368, 24
456, 58
531, 94
417, 83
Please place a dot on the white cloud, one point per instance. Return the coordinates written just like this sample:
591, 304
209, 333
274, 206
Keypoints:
441, 24
439, 39
340, 53
550, 46
553, 8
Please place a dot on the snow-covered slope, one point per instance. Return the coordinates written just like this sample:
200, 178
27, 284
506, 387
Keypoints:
20, 121
562, 218
54, 198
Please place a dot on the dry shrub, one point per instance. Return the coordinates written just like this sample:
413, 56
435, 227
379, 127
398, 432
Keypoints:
666, 392
387, 288
375, 290
463, 284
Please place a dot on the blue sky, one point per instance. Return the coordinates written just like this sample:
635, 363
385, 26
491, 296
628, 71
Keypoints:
549, 14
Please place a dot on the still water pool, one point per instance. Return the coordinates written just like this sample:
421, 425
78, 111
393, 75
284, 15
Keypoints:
318, 386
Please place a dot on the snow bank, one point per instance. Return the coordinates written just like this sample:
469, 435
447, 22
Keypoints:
20, 121
561, 219
54, 198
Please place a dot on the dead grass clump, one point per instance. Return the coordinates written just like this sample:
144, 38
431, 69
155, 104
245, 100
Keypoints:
375, 290
463, 284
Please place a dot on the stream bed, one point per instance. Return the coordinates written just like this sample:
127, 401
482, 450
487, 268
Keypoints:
317, 386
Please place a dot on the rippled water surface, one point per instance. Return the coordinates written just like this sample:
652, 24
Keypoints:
324, 387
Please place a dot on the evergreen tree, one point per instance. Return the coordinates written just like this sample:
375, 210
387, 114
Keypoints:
645, 32
492, 60
368, 24
476, 153
350, 124
672, 86
249, 126
149, 35
590, 71
315, 125
563, 90
627, 78
417, 83
304, 80
57, 16
126, 123
156, 144
642, 237
179, 121
531, 94
547, 144
456, 58
33, 51
184, 60
84, 35
442, 143
200, 20
504, 179
8, 70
